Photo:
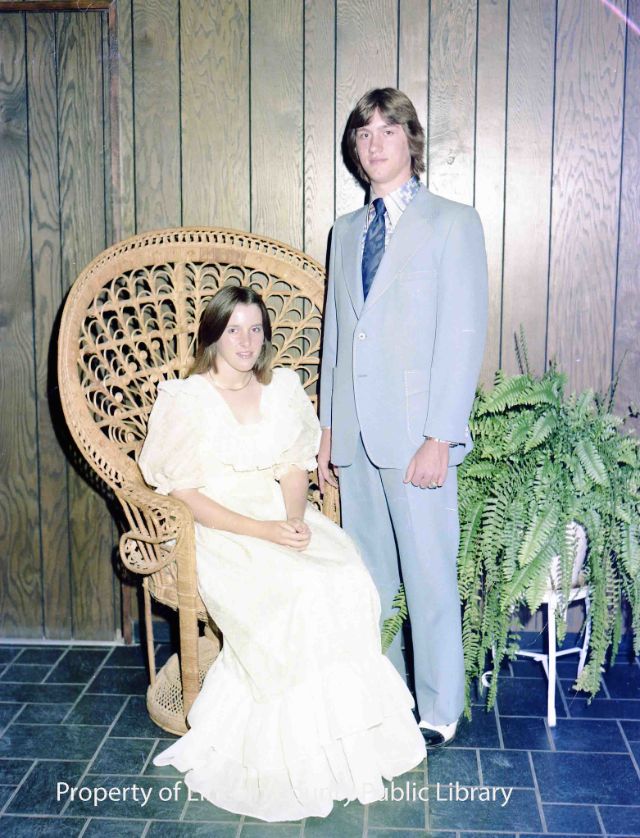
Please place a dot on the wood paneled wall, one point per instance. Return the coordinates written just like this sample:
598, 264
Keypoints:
231, 112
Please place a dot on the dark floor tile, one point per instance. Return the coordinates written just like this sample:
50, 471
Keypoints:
480, 732
78, 666
451, 765
25, 827
524, 733
28, 673
163, 653
520, 813
506, 768
546, 834
125, 798
56, 693
135, 719
13, 770
7, 712
518, 697
121, 756
632, 731
41, 654
40, 794
128, 656
399, 812
411, 833
112, 828
42, 714
5, 794
623, 681
199, 809
126, 681
603, 708
172, 829
484, 834
343, 820
621, 820
588, 735
580, 819
96, 710
528, 668
161, 770
50, 741
577, 778
269, 830
635, 750
9, 653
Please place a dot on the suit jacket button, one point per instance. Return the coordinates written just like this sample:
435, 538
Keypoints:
361, 336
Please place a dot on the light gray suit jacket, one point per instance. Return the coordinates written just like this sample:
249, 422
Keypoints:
404, 364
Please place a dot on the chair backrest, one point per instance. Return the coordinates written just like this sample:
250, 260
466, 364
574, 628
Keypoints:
131, 319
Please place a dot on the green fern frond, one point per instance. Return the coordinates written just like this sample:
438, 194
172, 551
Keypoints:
591, 461
509, 392
542, 429
393, 624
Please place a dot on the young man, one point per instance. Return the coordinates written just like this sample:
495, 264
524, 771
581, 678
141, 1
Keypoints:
405, 324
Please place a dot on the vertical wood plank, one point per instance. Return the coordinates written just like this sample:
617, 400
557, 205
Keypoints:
122, 124
20, 588
156, 80
45, 242
82, 221
215, 111
276, 119
587, 144
528, 179
627, 334
366, 57
452, 81
490, 159
413, 55
319, 127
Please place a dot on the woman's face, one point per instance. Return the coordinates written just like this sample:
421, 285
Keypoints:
241, 342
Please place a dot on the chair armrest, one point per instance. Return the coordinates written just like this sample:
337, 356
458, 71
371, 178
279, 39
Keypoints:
161, 529
331, 503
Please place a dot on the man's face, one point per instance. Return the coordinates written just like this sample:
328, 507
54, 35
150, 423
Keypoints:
383, 151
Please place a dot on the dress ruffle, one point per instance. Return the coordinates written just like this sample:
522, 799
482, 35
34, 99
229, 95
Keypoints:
174, 452
333, 736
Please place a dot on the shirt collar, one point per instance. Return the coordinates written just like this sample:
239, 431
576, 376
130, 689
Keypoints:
397, 201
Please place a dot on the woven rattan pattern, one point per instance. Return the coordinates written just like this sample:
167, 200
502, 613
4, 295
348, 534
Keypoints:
131, 320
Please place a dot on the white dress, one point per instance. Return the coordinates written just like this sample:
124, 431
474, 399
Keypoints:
300, 708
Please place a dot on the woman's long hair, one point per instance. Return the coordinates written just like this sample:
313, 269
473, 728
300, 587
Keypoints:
214, 321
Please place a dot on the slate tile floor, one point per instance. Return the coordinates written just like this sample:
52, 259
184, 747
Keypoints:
77, 716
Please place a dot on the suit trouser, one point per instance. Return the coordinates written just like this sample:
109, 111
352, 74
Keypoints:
391, 521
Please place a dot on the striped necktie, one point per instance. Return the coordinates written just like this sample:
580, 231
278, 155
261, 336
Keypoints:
373, 246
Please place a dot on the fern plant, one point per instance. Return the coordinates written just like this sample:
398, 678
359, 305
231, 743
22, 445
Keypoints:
540, 461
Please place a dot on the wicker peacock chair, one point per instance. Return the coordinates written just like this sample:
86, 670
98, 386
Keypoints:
129, 321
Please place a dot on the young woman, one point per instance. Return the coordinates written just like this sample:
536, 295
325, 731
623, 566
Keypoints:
300, 708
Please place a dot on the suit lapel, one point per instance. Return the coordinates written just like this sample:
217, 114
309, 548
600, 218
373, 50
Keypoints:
412, 231
351, 258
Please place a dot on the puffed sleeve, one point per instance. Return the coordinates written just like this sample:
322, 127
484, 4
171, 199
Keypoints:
170, 457
305, 428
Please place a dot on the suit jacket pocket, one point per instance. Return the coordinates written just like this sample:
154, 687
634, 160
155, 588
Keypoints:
416, 388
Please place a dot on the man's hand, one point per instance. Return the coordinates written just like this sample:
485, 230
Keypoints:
427, 468
326, 472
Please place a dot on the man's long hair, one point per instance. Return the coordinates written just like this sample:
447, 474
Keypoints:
395, 107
